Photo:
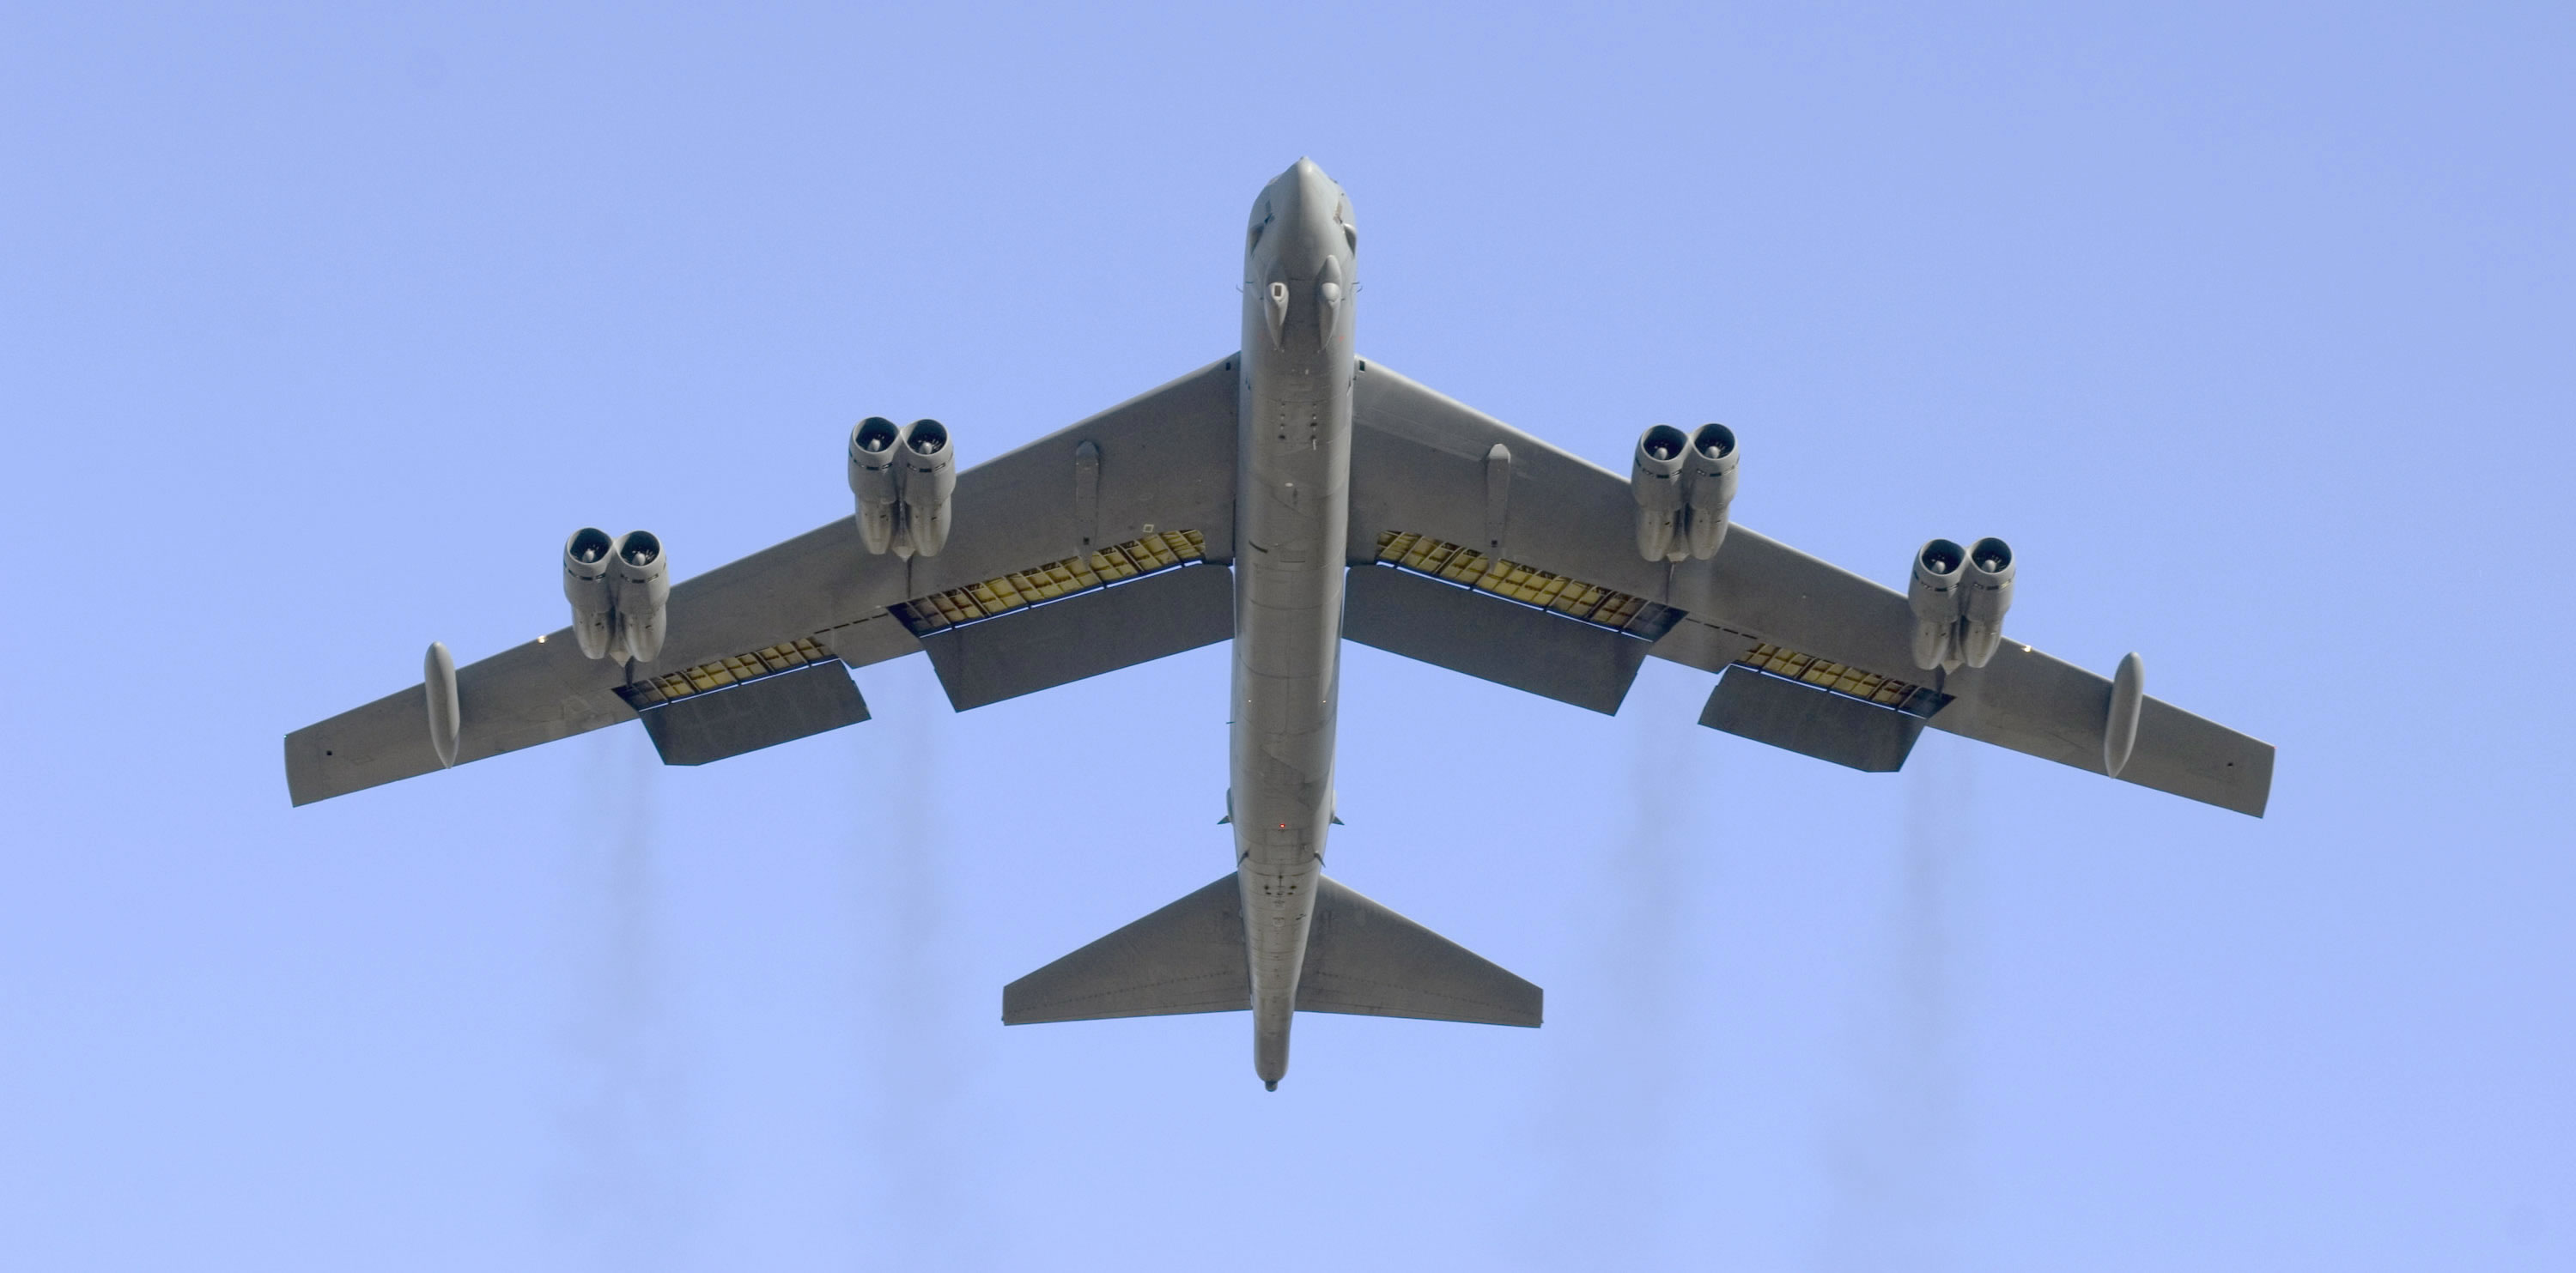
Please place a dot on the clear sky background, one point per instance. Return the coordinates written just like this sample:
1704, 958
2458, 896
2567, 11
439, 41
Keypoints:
2250, 327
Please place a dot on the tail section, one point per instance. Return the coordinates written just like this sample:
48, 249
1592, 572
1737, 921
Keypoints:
1368, 960
1189, 956
1186, 957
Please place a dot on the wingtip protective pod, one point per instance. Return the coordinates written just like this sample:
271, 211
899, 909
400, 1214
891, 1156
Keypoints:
2120, 726
438, 682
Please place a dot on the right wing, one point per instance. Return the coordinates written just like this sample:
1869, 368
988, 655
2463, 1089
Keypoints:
1149, 508
1441, 491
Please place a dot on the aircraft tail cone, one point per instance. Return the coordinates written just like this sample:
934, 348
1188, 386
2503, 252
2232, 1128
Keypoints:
1270, 1085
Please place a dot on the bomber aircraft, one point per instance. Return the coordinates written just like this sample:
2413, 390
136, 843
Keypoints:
1288, 497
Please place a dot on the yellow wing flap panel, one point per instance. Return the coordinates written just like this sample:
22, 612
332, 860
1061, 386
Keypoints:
1820, 708
733, 669
1869, 687
1573, 598
1155, 551
744, 702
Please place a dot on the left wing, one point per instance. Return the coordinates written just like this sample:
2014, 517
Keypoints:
1454, 514
748, 660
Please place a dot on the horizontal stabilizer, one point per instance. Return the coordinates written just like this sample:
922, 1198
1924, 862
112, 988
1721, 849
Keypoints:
1189, 957
1368, 960
1186, 957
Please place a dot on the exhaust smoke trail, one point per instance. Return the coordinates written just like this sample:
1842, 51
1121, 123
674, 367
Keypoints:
909, 1063
1891, 1160
625, 1120
1615, 1126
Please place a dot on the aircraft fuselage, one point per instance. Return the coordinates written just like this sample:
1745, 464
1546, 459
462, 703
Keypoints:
1291, 521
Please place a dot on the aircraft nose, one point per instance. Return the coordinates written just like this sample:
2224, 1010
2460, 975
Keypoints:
1315, 192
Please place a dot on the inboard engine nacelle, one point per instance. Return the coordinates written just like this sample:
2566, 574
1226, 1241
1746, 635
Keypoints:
902, 479
1959, 596
1683, 484
620, 592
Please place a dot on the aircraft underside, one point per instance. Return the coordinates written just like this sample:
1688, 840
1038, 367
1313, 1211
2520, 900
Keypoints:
1287, 498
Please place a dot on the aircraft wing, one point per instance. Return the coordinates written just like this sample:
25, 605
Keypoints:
1456, 515
1115, 521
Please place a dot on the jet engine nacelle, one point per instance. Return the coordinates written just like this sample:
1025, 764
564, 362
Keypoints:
1708, 486
1655, 479
1683, 483
1933, 594
641, 576
1985, 595
902, 479
875, 480
585, 567
929, 478
1959, 596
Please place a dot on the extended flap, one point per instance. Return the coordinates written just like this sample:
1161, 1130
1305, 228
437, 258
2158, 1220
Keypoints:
1523, 646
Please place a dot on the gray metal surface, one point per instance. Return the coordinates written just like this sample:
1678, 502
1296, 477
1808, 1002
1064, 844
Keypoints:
1292, 508
1186, 957
1361, 958
1083, 635
1164, 458
1366, 960
1291, 459
774, 709
1418, 464
1490, 638
1811, 720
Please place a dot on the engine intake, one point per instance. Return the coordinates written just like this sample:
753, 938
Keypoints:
1959, 596
902, 479
1987, 594
874, 480
1708, 486
1683, 483
585, 584
929, 478
642, 578
1655, 479
1933, 594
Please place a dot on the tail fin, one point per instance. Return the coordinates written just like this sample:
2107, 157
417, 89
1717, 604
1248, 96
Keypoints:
1189, 957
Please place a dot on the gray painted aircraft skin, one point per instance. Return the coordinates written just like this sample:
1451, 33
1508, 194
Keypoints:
1292, 514
1288, 497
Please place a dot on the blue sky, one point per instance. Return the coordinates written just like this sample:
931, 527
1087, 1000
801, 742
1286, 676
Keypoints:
2248, 325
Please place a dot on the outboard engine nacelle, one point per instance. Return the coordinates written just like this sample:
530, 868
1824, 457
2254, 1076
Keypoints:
1933, 594
929, 478
875, 480
1708, 486
642, 579
585, 567
1986, 593
1655, 479
902, 478
1959, 596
